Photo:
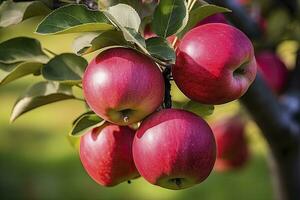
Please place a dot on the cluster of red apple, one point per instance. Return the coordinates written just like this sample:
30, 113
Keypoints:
172, 148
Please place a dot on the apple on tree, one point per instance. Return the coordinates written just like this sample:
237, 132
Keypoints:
273, 70
174, 149
123, 86
215, 64
232, 149
106, 154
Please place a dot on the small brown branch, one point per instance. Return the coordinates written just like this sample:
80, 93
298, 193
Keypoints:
277, 125
168, 98
241, 18
295, 75
291, 5
282, 131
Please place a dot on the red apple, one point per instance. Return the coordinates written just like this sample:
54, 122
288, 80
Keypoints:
174, 149
215, 64
273, 70
232, 149
216, 18
106, 154
123, 86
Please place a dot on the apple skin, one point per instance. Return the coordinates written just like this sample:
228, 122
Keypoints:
106, 154
123, 86
215, 64
232, 149
216, 18
273, 70
174, 149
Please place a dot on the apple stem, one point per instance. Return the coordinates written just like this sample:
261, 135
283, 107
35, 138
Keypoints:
177, 181
129, 181
167, 77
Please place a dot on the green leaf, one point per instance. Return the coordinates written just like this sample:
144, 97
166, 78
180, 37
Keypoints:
126, 16
170, 17
67, 67
198, 108
143, 8
199, 13
130, 34
94, 42
83, 42
84, 122
73, 19
40, 94
74, 141
13, 71
160, 48
13, 13
22, 49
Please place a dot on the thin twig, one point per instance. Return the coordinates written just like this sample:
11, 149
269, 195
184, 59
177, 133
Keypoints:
80, 99
49, 51
168, 98
79, 86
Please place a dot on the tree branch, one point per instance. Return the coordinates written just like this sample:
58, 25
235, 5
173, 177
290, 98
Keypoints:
295, 75
167, 76
291, 5
241, 18
278, 127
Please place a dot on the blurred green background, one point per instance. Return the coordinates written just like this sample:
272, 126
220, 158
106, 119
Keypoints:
38, 162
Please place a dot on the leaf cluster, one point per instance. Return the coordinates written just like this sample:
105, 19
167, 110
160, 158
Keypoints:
117, 23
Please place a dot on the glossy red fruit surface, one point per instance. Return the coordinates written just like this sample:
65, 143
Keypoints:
123, 86
215, 64
174, 149
106, 154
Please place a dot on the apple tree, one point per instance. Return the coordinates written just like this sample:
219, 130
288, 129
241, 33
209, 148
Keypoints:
132, 127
